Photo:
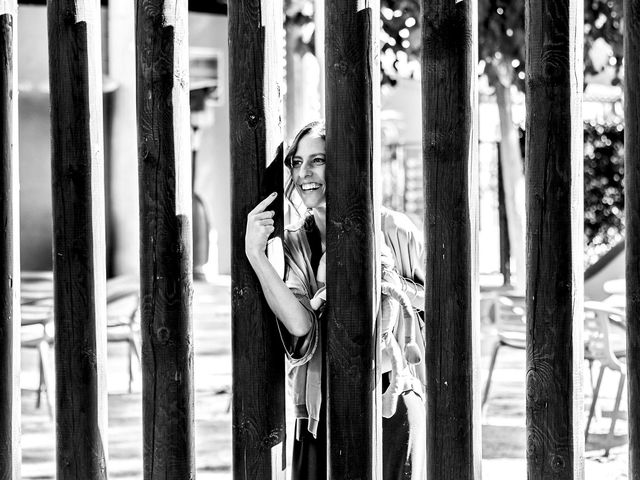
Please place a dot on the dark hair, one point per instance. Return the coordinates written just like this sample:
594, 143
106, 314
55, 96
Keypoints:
316, 127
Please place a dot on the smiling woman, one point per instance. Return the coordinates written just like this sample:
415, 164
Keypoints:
299, 302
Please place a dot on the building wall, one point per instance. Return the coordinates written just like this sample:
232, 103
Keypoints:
213, 167
213, 179
36, 225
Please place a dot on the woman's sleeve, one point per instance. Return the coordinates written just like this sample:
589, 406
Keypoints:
406, 243
299, 350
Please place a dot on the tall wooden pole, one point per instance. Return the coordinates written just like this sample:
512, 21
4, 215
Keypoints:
352, 106
9, 250
555, 440
632, 212
164, 152
451, 193
255, 74
78, 243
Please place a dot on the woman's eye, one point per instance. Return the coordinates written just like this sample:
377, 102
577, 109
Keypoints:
296, 163
319, 161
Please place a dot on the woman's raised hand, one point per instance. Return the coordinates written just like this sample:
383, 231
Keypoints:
259, 227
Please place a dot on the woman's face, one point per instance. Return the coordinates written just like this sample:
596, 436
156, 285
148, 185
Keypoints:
307, 170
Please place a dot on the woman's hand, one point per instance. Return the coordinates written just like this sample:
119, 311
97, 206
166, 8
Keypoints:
259, 227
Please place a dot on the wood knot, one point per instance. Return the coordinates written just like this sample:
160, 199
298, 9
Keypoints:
558, 463
341, 67
163, 335
252, 119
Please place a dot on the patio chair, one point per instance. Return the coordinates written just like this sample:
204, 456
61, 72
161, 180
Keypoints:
605, 342
510, 321
37, 320
37, 333
123, 323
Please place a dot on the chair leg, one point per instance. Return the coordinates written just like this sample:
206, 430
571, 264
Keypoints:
41, 384
134, 350
615, 413
44, 350
593, 387
592, 409
485, 395
130, 362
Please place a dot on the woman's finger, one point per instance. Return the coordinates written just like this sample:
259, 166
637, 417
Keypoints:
263, 204
264, 215
266, 221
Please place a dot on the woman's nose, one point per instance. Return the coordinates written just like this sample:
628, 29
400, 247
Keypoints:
305, 169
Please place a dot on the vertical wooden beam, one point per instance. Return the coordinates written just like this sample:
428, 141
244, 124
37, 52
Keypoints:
632, 212
451, 194
9, 250
164, 153
255, 74
555, 440
352, 108
75, 68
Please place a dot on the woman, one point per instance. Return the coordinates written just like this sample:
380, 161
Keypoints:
298, 303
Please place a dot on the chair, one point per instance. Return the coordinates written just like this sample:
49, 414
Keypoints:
37, 322
123, 325
509, 314
604, 342
37, 333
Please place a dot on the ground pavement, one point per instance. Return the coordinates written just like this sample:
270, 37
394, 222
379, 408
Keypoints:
503, 432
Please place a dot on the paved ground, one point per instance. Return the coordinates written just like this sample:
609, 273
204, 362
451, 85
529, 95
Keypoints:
503, 432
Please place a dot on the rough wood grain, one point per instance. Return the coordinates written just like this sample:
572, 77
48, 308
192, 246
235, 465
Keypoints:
632, 212
258, 365
450, 163
165, 239
9, 253
78, 243
218, 7
350, 328
555, 440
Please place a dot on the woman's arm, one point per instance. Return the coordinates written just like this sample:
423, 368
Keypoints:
286, 307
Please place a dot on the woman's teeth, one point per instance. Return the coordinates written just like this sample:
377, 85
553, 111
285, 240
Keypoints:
310, 186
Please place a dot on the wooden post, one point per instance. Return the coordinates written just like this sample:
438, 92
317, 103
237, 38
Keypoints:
352, 107
632, 212
9, 252
555, 439
166, 289
255, 27
75, 68
451, 192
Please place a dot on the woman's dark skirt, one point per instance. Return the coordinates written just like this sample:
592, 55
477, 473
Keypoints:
310, 454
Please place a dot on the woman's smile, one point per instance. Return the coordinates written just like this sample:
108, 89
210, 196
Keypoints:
310, 186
